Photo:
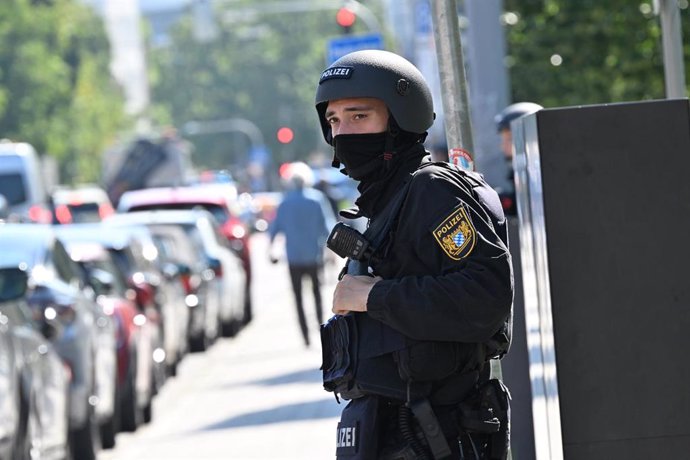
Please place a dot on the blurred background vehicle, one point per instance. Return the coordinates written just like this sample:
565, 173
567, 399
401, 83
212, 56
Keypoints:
161, 275
82, 333
228, 295
133, 336
264, 206
34, 381
151, 161
21, 181
197, 279
220, 199
132, 259
82, 203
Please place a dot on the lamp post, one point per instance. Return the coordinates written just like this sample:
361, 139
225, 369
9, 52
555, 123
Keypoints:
672, 42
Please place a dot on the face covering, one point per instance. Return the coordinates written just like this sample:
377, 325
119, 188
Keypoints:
361, 154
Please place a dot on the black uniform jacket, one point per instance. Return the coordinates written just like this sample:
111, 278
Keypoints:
447, 273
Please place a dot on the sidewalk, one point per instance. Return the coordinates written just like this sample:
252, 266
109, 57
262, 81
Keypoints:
256, 396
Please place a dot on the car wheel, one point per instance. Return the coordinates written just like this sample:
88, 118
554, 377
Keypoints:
109, 427
22, 442
85, 439
198, 343
229, 328
247, 306
129, 410
172, 369
147, 411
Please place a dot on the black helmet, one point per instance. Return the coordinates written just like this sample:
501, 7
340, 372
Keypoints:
514, 111
382, 75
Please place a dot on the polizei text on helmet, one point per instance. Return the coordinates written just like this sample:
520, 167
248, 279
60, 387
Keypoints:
336, 72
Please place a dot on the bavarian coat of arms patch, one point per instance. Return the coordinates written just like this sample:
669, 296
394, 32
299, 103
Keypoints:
456, 234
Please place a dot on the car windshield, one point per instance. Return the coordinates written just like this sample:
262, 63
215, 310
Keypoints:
85, 212
12, 188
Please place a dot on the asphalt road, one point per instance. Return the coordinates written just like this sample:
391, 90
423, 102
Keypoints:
255, 396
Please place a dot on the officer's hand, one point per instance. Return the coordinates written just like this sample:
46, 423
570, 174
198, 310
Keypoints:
351, 293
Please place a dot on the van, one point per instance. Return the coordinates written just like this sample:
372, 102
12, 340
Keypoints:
21, 181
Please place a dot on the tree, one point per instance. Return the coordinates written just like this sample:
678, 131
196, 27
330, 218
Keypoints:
563, 53
55, 86
262, 68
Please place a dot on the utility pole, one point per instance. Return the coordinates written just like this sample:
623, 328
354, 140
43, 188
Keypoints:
672, 42
451, 66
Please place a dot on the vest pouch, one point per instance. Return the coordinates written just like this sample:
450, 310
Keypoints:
339, 339
338, 342
427, 361
487, 413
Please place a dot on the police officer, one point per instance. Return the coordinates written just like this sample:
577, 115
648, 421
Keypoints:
435, 304
503, 120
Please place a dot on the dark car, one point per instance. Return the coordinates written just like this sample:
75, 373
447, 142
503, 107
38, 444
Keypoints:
34, 382
221, 200
81, 332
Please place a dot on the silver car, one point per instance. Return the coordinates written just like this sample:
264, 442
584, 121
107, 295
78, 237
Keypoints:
228, 296
81, 332
34, 382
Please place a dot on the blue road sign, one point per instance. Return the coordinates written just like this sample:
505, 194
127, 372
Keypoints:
340, 46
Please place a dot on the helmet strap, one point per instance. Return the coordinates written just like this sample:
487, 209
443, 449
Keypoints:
389, 149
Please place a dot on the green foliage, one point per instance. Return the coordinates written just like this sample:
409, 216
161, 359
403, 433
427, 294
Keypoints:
611, 51
263, 68
55, 87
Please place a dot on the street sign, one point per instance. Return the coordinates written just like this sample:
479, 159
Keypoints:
340, 46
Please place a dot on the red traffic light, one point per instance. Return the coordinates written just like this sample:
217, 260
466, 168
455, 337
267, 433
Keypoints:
345, 17
285, 135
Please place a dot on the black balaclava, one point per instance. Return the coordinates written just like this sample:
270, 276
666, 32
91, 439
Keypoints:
380, 162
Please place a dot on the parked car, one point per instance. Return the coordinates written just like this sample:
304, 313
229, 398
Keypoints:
220, 199
201, 227
127, 254
83, 335
84, 203
34, 382
163, 276
10, 393
196, 277
21, 182
135, 337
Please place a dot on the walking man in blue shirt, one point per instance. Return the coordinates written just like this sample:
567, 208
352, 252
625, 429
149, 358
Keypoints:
305, 220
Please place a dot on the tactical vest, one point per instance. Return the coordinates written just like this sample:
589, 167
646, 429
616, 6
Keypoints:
363, 356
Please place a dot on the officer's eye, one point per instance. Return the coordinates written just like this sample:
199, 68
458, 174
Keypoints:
331, 120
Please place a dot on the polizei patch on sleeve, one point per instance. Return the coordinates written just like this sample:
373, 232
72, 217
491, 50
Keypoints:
456, 234
336, 72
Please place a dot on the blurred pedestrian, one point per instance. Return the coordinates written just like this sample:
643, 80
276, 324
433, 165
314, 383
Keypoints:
503, 120
305, 219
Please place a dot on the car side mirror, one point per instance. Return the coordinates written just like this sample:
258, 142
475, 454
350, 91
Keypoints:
101, 281
171, 270
13, 283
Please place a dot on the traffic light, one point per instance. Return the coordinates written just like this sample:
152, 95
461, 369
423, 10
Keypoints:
345, 18
285, 135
